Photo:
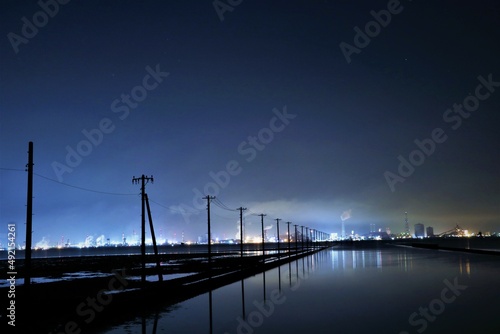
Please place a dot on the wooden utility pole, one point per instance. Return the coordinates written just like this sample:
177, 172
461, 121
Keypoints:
209, 198
278, 232
288, 223
29, 217
241, 230
143, 180
262, 223
296, 237
153, 237
302, 236
307, 237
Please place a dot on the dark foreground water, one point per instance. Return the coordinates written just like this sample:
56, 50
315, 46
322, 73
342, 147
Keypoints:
388, 290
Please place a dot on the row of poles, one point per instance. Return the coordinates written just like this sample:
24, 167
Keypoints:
143, 180
317, 234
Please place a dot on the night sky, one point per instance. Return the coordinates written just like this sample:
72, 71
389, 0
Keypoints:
289, 108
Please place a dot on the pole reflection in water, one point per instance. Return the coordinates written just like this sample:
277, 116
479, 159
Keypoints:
279, 278
210, 311
297, 269
264, 284
144, 324
340, 277
243, 298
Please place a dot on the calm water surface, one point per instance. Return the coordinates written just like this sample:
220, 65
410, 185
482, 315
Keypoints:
389, 290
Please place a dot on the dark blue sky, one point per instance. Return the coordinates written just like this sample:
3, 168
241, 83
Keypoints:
179, 93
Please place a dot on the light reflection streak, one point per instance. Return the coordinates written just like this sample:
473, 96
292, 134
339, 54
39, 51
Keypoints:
464, 266
362, 259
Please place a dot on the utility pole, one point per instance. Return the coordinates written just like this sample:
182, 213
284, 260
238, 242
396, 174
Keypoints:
153, 237
310, 234
143, 180
278, 232
209, 198
29, 217
307, 237
262, 223
288, 223
302, 236
241, 230
310, 237
296, 239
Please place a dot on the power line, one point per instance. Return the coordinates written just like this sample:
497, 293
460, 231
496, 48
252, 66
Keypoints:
70, 185
251, 213
178, 208
223, 217
163, 206
14, 169
221, 205
85, 189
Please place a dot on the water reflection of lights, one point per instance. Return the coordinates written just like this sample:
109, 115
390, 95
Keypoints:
405, 261
464, 266
379, 259
356, 259
362, 259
